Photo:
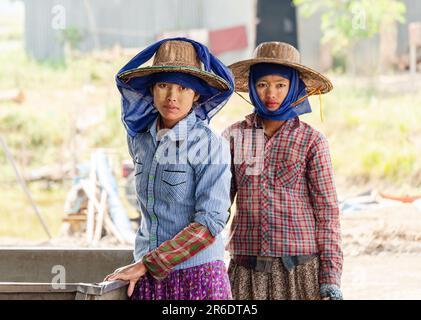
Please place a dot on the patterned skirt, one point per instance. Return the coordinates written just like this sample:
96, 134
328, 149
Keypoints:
208, 281
301, 283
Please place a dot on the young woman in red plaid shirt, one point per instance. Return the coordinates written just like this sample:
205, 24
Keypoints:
285, 234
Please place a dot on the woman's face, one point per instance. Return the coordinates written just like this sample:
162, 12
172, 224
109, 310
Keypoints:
272, 90
173, 101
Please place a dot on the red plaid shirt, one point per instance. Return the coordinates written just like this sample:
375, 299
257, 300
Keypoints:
286, 198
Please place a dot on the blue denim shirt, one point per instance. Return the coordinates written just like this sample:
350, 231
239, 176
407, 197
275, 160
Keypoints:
182, 177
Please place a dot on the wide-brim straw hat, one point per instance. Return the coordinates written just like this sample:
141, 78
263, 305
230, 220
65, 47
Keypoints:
177, 56
284, 54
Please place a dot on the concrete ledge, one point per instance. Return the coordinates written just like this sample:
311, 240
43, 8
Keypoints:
84, 265
110, 290
29, 273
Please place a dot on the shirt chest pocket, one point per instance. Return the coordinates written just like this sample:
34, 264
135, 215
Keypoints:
288, 173
174, 183
247, 172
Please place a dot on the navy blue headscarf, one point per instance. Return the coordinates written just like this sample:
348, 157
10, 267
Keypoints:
138, 111
297, 90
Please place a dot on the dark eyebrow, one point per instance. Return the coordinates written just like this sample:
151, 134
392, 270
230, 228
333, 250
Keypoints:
277, 81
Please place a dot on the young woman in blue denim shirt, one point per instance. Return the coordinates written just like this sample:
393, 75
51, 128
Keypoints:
182, 171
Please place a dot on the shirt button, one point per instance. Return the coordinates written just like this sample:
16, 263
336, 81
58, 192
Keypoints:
150, 198
153, 238
151, 177
153, 218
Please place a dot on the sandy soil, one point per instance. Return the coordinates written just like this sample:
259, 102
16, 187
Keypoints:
384, 276
382, 253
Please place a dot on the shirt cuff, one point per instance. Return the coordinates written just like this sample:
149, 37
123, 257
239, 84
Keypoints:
329, 277
213, 224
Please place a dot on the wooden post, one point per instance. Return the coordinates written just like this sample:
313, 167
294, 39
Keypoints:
414, 30
111, 228
100, 216
91, 208
108, 223
412, 59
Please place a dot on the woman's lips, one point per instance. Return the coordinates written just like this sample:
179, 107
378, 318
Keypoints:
271, 104
171, 108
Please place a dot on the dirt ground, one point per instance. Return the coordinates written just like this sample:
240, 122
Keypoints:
388, 276
382, 253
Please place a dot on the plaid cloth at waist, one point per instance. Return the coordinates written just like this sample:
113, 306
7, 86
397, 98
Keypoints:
264, 264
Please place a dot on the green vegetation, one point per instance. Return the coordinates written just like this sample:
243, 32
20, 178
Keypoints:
347, 21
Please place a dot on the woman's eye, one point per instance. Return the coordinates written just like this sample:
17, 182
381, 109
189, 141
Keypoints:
261, 85
162, 85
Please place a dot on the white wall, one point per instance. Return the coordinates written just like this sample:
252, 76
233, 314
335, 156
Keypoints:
218, 14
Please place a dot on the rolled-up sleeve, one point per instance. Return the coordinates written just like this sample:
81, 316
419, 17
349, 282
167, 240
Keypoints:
213, 182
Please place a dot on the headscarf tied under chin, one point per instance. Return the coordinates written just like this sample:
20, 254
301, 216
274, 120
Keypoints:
297, 91
138, 111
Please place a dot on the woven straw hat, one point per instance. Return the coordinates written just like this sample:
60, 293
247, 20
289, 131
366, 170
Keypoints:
284, 54
177, 56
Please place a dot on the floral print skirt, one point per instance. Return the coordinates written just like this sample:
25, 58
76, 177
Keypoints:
208, 281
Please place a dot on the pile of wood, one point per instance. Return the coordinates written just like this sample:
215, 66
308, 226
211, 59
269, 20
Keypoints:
89, 215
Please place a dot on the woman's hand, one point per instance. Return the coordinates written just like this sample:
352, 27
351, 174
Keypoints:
133, 272
330, 292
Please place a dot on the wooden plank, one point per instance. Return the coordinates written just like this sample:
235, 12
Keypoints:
91, 208
74, 217
100, 216
112, 229
89, 194
108, 223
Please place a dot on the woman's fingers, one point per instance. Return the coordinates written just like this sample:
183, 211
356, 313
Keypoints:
108, 277
131, 273
125, 274
122, 275
119, 269
116, 276
130, 289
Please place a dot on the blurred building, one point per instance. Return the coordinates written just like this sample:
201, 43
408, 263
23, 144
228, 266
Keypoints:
226, 26
231, 28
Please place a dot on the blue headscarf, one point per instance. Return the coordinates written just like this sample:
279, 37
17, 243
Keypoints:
138, 111
297, 89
